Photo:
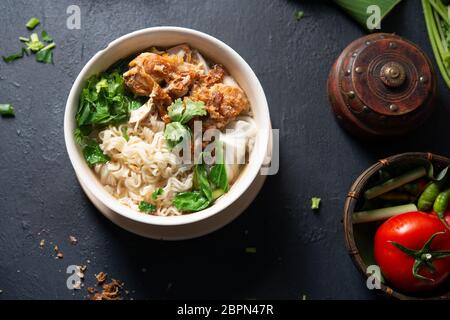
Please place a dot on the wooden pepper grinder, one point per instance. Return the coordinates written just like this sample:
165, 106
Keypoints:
381, 85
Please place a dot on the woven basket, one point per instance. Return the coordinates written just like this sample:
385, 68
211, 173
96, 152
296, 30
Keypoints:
360, 257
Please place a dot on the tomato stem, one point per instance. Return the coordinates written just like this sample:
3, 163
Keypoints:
423, 257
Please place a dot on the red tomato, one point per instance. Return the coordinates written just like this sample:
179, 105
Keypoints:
411, 230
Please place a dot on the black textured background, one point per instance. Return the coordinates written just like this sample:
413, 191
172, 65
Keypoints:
298, 252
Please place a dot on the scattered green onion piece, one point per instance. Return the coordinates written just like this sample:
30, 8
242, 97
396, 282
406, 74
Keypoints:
33, 23
45, 55
24, 39
381, 214
299, 15
436, 44
394, 183
34, 44
7, 110
250, 250
315, 203
46, 37
14, 56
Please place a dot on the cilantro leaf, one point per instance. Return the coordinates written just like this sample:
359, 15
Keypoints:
104, 101
146, 207
183, 112
157, 193
175, 110
193, 109
94, 154
175, 132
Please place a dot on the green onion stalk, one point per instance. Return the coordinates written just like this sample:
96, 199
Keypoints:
437, 19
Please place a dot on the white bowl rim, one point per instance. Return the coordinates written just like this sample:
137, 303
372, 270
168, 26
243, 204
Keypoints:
78, 162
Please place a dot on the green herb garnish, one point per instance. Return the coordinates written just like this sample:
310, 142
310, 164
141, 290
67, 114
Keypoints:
15, 56
103, 101
125, 134
175, 132
7, 110
250, 250
94, 154
45, 55
34, 44
437, 22
218, 175
46, 37
32, 23
200, 179
157, 193
191, 201
146, 207
315, 203
298, 15
181, 113
208, 187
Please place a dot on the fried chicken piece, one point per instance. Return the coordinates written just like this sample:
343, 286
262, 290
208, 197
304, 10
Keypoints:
149, 68
223, 103
161, 100
215, 75
181, 84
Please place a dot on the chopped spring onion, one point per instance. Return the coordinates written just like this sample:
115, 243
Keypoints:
382, 214
15, 56
394, 183
299, 15
45, 55
315, 203
46, 37
33, 23
6, 110
34, 44
438, 26
250, 250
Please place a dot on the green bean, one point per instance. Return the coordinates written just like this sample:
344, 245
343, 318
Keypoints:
441, 204
428, 196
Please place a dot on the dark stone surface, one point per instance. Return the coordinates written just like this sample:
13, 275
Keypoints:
298, 252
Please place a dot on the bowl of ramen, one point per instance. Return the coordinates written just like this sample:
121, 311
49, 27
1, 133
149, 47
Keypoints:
168, 129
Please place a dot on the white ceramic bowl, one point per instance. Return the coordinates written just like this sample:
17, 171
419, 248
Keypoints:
218, 52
